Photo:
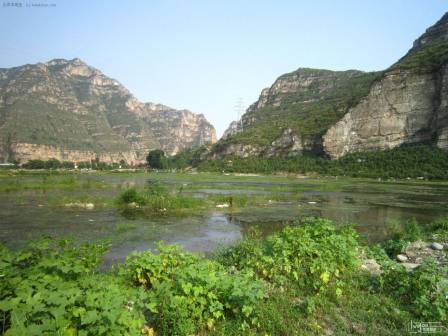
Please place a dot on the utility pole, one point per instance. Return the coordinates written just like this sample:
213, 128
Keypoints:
239, 109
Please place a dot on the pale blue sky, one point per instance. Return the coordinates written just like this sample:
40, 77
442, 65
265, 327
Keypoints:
203, 55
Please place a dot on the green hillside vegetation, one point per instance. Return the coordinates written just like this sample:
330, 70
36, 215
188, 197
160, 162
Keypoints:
426, 60
309, 112
410, 160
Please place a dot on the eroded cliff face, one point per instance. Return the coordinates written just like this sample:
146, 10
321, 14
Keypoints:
287, 144
401, 108
290, 116
177, 129
67, 109
341, 112
43, 152
407, 104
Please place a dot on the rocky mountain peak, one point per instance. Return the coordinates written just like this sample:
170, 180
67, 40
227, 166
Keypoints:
69, 110
436, 33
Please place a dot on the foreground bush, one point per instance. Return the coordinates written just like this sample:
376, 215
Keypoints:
302, 280
424, 291
313, 255
53, 289
189, 293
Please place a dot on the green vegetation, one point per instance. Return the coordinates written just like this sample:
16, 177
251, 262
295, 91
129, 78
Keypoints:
155, 198
403, 233
49, 181
189, 293
425, 60
309, 111
156, 159
50, 164
304, 280
55, 164
53, 289
416, 160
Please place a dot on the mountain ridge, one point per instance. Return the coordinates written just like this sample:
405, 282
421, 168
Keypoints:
333, 113
68, 110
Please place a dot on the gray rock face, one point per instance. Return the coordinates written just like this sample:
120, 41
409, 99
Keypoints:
408, 104
341, 112
68, 110
287, 144
234, 127
291, 115
402, 107
372, 266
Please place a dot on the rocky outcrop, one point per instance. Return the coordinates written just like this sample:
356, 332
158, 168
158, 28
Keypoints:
407, 104
177, 129
42, 152
233, 128
402, 107
341, 112
287, 144
66, 109
291, 115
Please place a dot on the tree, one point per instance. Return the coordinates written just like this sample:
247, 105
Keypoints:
156, 159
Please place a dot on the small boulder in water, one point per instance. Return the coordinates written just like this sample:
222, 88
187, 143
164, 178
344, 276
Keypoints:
224, 205
437, 246
80, 205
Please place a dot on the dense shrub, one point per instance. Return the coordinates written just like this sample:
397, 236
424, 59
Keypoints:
156, 159
156, 198
129, 196
400, 235
258, 286
189, 293
424, 291
313, 256
53, 289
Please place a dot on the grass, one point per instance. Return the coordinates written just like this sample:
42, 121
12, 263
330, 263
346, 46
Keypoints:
46, 182
67, 200
156, 199
124, 227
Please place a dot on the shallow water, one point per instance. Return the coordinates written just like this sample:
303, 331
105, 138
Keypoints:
369, 205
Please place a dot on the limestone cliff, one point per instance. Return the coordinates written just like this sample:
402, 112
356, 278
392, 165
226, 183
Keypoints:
408, 104
67, 110
338, 112
292, 115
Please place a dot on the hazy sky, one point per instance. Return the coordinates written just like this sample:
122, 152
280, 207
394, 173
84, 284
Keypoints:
203, 55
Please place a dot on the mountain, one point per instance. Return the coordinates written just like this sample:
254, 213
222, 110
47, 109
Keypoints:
408, 104
332, 113
68, 110
292, 115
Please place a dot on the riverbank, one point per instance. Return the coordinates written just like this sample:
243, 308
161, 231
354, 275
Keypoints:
309, 278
